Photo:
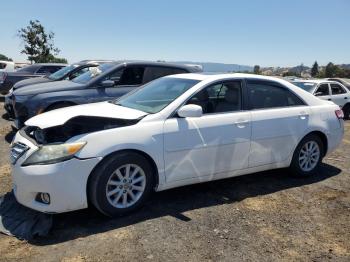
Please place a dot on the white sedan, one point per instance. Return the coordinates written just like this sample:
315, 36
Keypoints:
328, 90
175, 131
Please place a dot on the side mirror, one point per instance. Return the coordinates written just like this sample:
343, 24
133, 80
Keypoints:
107, 83
318, 94
190, 111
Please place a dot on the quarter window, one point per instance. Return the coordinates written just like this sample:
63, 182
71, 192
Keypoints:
219, 98
337, 89
322, 90
268, 95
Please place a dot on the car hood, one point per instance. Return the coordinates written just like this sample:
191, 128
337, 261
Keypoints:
31, 81
54, 86
102, 109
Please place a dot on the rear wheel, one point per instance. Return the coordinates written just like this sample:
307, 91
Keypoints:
121, 184
307, 156
346, 110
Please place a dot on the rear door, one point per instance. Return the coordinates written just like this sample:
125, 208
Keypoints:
279, 118
338, 94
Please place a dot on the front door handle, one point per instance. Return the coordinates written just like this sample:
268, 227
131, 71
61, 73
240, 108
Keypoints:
329, 99
345, 98
241, 123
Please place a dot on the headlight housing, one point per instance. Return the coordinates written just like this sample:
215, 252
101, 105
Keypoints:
51, 154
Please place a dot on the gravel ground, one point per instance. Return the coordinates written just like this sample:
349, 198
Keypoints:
260, 217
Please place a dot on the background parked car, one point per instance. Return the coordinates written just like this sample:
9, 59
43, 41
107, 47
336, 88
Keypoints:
345, 82
68, 73
8, 79
7, 66
328, 90
106, 82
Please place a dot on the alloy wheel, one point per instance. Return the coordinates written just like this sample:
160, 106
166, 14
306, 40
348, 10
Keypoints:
125, 186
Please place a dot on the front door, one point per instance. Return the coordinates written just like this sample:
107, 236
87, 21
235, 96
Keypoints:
214, 143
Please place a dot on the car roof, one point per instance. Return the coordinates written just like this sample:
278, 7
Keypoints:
49, 64
222, 76
190, 68
315, 81
92, 61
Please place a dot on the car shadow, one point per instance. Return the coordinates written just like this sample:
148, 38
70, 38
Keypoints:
10, 135
175, 202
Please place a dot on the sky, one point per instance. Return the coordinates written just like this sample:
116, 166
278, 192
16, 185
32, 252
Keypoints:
246, 32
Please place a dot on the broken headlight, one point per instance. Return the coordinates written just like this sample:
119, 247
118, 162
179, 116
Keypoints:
51, 154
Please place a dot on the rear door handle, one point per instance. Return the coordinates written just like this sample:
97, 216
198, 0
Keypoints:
345, 98
303, 115
329, 99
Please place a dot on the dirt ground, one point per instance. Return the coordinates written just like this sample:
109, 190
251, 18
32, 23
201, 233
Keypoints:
265, 216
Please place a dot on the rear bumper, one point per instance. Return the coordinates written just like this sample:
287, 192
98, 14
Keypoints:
335, 137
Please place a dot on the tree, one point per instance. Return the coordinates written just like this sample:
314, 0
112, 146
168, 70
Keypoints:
331, 70
5, 58
314, 70
256, 69
38, 44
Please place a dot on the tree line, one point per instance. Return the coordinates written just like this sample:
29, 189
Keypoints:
330, 70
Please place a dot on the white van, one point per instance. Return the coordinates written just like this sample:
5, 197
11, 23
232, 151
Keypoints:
7, 66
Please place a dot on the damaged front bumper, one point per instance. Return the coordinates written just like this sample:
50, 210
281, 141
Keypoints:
64, 182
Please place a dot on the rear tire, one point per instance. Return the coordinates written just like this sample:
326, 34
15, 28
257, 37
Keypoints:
121, 184
307, 156
346, 111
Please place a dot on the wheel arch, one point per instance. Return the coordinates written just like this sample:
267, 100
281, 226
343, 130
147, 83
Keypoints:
323, 138
68, 103
112, 154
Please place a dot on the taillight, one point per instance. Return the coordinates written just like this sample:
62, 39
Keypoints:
339, 113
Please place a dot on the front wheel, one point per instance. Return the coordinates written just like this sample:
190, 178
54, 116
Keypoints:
121, 184
307, 156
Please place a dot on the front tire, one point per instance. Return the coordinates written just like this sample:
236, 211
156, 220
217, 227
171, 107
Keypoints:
121, 184
307, 156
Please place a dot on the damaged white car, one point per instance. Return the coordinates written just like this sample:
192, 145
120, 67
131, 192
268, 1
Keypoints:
174, 131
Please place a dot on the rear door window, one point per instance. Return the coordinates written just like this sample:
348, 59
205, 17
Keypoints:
268, 95
337, 89
154, 72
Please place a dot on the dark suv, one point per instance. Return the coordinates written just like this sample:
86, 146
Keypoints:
66, 73
8, 79
106, 82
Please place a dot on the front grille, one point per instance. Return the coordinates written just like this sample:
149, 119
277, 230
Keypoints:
17, 150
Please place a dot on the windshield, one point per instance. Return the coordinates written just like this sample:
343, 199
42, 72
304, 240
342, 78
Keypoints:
307, 86
156, 95
92, 73
62, 72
